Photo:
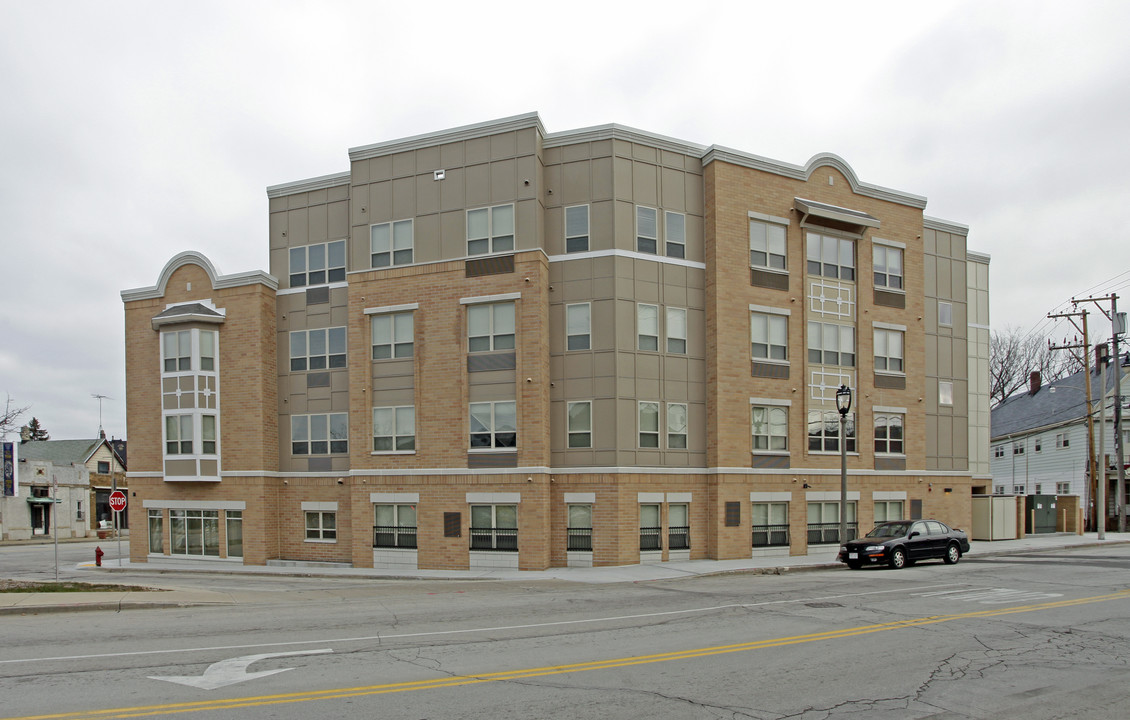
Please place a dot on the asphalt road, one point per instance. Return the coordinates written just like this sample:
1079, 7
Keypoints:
1033, 636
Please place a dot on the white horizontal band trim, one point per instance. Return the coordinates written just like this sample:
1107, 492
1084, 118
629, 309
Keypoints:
770, 310
379, 497
489, 298
320, 506
979, 326
680, 497
649, 497
489, 498
771, 496
628, 254
889, 243
889, 495
825, 496
391, 309
157, 504
295, 291
888, 409
888, 326
580, 497
768, 218
770, 401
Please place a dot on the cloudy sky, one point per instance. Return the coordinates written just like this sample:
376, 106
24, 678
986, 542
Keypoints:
131, 131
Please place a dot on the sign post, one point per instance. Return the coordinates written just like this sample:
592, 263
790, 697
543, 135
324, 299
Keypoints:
118, 504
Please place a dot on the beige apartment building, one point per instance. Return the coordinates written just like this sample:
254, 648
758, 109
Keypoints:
493, 346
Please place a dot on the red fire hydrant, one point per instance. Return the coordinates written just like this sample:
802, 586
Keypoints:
98, 556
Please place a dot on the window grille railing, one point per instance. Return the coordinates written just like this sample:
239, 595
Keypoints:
829, 533
494, 539
772, 535
579, 539
678, 538
650, 538
393, 536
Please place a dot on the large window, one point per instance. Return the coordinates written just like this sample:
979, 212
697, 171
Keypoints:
156, 531
647, 326
178, 434
580, 424
888, 350
647, 230
321, 525
888, 267
319, 434
824, 523
830, 256
649, 424
394, 526
494, 425
889, 434
650, 527
675, 234
579, 531
234, 526
824, 431
677, 330
676, 426
494, 527
769, 336
394, 429
770, 524
678, 526
317, 264
578, 325
390, 243
490, 230
577, 228
490, 327
194, 532
176, 351
392, 335
770, 428
886, 510
767, 248
830, 344
317, 349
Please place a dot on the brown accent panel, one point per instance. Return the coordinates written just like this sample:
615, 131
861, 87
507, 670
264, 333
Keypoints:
180, 468
318, 380
765, 279
496, 265
916, 509
890, 382
890, 299
885, 463
317, 296
452, 524
487, 460
319, 464
771, 370
482, 362
772, 462
733, 514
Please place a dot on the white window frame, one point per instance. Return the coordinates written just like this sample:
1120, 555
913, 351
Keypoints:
888, 358
676, 329
306, 429
884, 515
775, 425
648, 429
945, 393
334, 349
496, 239
825, 252
998, 451
393, 242
647, 329
647, 244
678, 420
1018, 448
885, 276
401, 437
577, 228
578, 326
578, 421
829, 442
769, 336
317, 529
399, 526
499, 434
769, 243
884, 443
945, 313
1062, 440
179, 433
674, 234
828, 339
399, 329
332, 268
501, 326
194, 430
1063, 488
494, 527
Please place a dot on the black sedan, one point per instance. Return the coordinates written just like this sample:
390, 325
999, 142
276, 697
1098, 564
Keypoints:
904, 542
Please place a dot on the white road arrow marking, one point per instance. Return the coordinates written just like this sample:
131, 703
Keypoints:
230, 672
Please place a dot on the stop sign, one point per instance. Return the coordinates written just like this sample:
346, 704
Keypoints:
117, 501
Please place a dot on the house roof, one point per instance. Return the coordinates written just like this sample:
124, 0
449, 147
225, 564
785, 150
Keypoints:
1059, 402
59, 452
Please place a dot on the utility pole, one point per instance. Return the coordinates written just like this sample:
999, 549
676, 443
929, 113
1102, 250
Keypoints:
1086, 363
1117, 327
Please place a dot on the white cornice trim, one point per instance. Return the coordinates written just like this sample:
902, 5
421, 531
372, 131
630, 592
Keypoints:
322, 182
933, 223
219, 282
464, 132
612, 131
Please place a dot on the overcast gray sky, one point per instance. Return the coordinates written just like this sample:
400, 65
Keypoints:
131, 131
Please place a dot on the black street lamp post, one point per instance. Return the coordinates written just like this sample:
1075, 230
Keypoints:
843, 404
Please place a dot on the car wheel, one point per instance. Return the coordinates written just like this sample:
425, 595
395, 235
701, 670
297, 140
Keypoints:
854, 564
953, 554
898, 558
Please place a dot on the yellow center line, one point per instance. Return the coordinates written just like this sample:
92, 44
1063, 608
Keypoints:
510, 675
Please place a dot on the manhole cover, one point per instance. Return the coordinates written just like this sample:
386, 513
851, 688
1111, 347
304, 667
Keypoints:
823, 605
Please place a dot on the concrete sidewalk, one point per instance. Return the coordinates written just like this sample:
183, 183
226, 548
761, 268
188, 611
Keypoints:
778, 564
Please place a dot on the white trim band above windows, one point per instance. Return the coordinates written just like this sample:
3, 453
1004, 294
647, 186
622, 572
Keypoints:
769, 310
394, 498
829, 495
391, 309
577, 498
768, 218
490, 298
888, 409
888, 243
770, 401
888, 495
319, 506
771, 496
649, 497
888, 326
488, 498
154, 504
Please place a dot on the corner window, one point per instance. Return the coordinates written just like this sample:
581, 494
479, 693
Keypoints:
767, 247
770, 428
677, 331
321, 526
578, 324
317, 264
647, 326
490, 327
888, 350
392, 335
178, 434
580, 424
889, 434
490, 230
888, 267
176, 351
675, 235
319, 434
494, 425
577, 229
390, 244
647, 230
317, 349
832, 257
394, 429
769, 336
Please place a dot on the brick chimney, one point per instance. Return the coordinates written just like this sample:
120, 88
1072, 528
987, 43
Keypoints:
1034, 382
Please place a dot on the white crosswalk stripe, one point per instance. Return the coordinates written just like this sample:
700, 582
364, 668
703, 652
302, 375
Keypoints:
990, 596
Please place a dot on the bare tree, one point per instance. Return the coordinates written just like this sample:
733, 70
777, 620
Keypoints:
1014, 355
10, 419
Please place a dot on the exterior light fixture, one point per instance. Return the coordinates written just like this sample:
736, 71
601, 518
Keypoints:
843, 404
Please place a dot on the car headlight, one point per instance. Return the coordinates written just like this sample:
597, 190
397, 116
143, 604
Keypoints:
873, 548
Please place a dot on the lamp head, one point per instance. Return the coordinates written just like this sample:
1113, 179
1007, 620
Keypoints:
843, 399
